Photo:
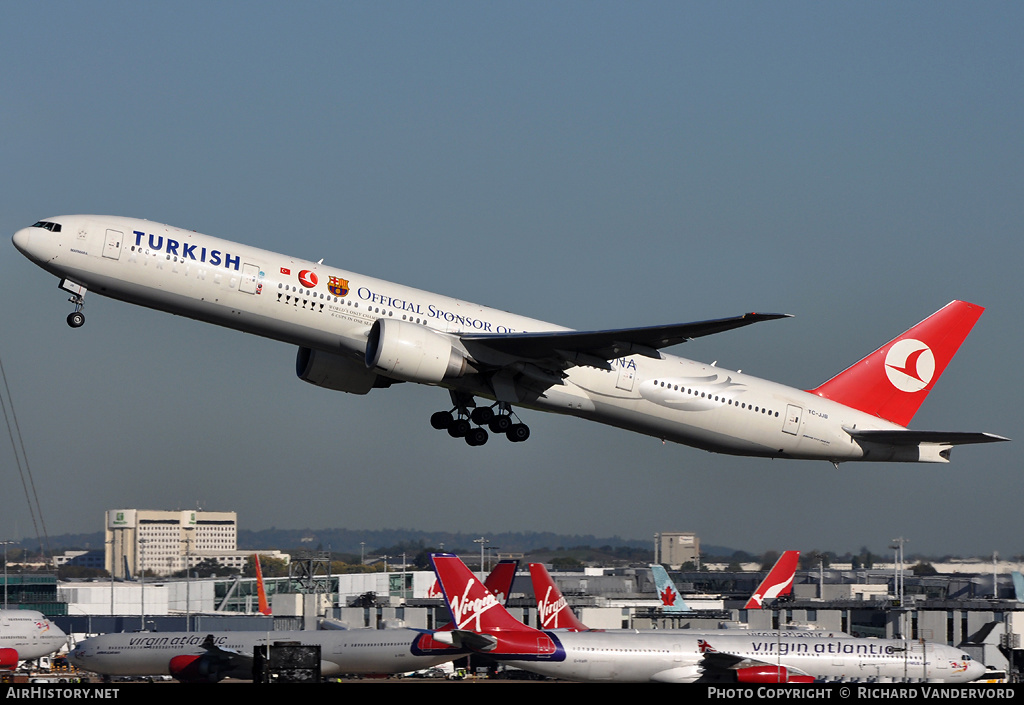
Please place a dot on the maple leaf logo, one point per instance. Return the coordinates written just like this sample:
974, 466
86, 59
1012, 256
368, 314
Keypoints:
668, 597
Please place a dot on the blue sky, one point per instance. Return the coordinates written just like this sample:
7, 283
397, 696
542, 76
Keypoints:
592, 164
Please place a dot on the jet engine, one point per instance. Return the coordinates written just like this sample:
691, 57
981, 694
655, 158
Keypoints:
770, 674
197, 668
413, 353
337, 372
8, 659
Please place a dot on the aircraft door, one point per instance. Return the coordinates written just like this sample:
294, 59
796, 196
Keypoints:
112, 244
250, 283
545, 647
627, 374
792, 421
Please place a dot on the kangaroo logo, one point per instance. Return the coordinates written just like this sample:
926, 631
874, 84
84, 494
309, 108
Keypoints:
910, 365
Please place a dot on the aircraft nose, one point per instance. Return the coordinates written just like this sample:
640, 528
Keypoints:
22, 240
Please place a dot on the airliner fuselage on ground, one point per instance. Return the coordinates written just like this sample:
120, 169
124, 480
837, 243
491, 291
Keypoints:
26, 635
198, 656
356, 333
481, 623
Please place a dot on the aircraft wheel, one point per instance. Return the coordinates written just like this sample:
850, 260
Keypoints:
500, 423
76, 319
459, 428
476, 436
441, 420
482, 415
518, 433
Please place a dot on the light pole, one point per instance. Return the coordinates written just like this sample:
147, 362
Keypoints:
6, 544
188, 581
482, 541
142, 578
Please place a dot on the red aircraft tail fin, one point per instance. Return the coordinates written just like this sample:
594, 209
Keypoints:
553, 610
473, 607
261, 591
499, 582
779, 581
894, 380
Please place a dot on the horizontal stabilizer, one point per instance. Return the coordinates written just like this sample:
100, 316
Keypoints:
907, 437
475, 641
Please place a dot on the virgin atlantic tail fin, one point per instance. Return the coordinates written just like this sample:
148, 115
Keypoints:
472, 606
499, 582
894, 380
481, 622
778, 582
553, 610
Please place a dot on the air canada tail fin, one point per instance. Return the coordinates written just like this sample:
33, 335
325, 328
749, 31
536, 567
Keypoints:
1018, 586
894, 380
261, 590
553, 610
778, 582
671, 600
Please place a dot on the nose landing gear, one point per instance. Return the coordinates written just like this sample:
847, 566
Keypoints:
76, 318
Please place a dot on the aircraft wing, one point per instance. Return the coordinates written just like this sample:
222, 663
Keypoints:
609, 344
907, 437
228, 658
716, 662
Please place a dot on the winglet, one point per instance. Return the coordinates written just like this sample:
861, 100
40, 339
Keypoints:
779, 581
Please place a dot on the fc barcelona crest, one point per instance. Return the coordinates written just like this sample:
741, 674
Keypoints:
338, 286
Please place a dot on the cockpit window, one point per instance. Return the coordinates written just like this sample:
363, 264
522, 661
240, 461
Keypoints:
52, 227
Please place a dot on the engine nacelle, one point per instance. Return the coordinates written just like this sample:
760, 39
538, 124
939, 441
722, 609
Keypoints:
8, 659
194, 668
411, 352
337, 372
770, 674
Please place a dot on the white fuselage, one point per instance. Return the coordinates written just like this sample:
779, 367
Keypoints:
332, 310
29, 633
366, 651
676, 657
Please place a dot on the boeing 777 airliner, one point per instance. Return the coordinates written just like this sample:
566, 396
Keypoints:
355, 333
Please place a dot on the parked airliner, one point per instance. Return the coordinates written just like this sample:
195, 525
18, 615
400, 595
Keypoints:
482, 624
205, 657
27, 635
201, 657
357, 333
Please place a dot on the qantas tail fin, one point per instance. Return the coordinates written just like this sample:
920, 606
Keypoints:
892, 381
553, 610
779, 581
671, 600
261, 591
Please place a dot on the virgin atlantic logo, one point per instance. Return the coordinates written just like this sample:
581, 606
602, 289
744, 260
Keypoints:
910, 365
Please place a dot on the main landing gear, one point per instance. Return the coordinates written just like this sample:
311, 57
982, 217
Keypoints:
76, 318
459, 423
